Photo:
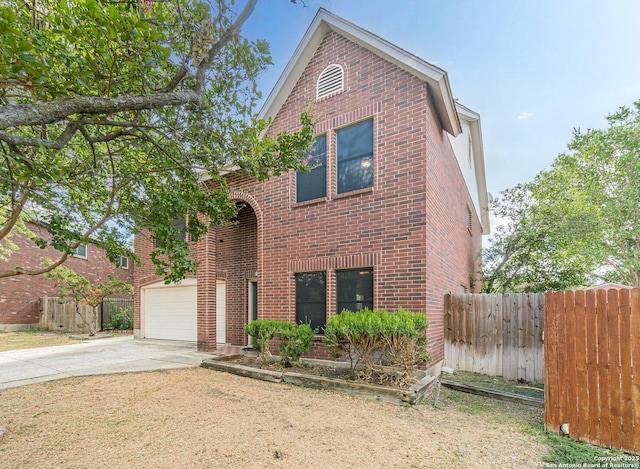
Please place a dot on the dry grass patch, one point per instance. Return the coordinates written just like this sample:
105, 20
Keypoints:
32, 339
202, 418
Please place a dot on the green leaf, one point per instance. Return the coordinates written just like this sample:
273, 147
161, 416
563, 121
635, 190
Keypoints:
27, 58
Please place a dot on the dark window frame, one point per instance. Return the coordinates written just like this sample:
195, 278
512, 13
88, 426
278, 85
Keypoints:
305, 301
355, 168
312, 185
343, 301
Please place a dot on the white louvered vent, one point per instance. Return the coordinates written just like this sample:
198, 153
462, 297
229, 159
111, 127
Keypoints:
330, 82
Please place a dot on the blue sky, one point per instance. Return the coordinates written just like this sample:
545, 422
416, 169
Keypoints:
533, 70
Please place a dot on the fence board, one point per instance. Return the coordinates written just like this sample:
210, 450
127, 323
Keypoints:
603, 369
551, 378
538, 343
592, 366
625, 371
495, 334
613, 332
510, 365
561, 341
499, 322
468, 332
570, 359
594, 381
635, 361
530, 333
580, 350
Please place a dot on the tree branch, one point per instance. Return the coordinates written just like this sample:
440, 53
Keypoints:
228, 35
44, 270
57, 144
17, 115
16, 210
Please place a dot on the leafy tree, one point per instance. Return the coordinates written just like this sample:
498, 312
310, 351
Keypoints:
577, 222
112, 113
75, 286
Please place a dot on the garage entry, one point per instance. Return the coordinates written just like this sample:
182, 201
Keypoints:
170, 311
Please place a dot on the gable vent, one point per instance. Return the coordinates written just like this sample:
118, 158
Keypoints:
330, 82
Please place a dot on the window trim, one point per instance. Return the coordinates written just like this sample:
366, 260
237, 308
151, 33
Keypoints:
80, 256
122, 264
352, 158
326, 172
324, 274
337, 287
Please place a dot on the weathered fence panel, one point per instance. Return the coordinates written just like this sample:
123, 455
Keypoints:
59, 314
592, 373
496, 335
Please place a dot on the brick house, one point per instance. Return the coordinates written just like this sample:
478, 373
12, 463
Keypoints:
20, 294
391, 215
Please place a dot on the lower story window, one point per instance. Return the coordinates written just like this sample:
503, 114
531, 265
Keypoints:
311, 299
354, 289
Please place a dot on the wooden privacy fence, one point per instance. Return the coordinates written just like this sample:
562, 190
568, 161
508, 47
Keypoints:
59, 314
495, 334
592, 373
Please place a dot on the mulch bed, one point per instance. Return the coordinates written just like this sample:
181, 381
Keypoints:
324, 370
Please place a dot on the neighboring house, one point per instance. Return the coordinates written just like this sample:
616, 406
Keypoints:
391, 215
20, 294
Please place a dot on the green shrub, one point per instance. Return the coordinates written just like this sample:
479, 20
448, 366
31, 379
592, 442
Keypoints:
294, 340
262, 332
122, 320
382, 346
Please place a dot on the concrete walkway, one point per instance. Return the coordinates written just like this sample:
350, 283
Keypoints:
95, 357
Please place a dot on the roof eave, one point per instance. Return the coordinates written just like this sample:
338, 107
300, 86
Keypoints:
324, 21
478, 156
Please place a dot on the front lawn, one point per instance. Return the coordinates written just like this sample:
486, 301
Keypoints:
203, 418
31, 339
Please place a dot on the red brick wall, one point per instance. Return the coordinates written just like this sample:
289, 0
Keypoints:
410, 227
19, 295
237, 263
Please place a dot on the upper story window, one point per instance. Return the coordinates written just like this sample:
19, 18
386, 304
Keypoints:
80, 251
313, 184
330, 81
469, 219
180, 224
123, 262
355, 156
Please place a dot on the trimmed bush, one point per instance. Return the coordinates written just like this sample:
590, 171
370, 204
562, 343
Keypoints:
294, 340
383, 347
262, 332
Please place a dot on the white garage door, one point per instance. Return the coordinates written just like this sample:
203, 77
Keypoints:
170, 313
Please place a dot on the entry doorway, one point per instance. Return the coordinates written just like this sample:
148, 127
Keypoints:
221, 312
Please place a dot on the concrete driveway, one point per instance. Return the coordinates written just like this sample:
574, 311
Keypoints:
95, 357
